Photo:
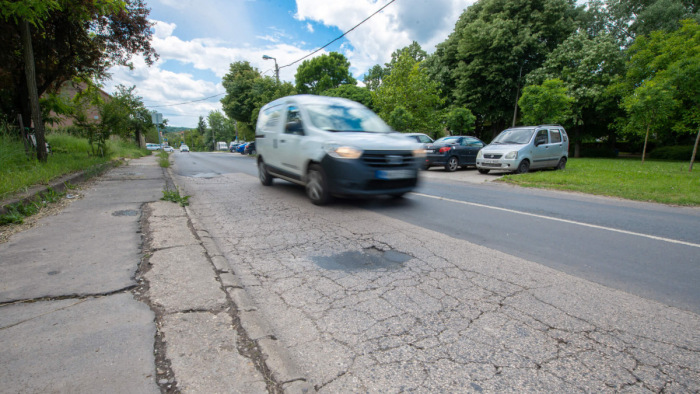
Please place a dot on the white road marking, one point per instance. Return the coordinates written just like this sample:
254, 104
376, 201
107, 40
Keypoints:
674, 241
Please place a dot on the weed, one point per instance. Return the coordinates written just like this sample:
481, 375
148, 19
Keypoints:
164, 159
174, 196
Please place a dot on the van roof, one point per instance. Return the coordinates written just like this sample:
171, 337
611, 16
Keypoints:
311, 99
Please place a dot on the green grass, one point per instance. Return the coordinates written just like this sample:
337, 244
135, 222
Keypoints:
667, 182
174, 196
70, 154
164, 159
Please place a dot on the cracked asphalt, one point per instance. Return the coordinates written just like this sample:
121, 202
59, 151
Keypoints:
365, 303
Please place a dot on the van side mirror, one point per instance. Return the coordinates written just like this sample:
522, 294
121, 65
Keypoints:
540, 140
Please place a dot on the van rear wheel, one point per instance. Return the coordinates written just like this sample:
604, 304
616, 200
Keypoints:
562, 164
317, 185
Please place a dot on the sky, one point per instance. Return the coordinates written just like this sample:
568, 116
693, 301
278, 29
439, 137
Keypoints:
197, 41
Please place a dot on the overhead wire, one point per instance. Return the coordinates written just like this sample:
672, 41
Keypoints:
287, 65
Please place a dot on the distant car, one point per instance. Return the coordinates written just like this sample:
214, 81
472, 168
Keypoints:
233, 148
153, 146
168, 148
241, 148
184, 148
420, 137
519, 149
453, 152
249, 149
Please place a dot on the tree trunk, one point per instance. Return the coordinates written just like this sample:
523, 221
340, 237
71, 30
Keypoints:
695, 150
646, 138
29, 72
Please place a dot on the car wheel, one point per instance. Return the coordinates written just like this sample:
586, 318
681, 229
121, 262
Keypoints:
523, 167
265, 177
562, 164
483, 171
316, 185
452, 164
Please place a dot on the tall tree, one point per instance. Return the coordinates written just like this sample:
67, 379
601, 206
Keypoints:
409, 87
494, 45
373, 78
322, 73
546, 103
201, 126
352, 92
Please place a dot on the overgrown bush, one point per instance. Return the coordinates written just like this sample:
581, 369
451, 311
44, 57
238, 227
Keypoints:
677, 152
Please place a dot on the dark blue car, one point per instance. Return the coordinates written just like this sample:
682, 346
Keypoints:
453, 152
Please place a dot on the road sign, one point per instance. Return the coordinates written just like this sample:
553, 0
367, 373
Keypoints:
156, 118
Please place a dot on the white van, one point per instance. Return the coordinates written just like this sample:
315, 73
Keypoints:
334, 146
520, 149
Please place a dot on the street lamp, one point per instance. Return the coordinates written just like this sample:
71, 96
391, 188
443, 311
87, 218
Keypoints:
277, 70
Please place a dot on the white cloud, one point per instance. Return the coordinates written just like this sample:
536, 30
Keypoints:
309, 28
428, 22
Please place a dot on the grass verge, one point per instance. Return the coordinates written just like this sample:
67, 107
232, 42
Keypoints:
164, 159
666, 182
69, 154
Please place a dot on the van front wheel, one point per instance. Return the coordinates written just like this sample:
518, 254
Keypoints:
317, 185
523, 167
265, 177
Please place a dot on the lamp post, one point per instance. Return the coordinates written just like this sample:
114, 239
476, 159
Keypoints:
277, 70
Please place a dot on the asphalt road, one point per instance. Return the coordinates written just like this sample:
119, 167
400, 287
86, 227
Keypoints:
649, 250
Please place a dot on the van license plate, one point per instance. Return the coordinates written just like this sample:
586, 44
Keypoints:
394, 174
491, 161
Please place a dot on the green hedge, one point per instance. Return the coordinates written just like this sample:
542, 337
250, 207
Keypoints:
677, 152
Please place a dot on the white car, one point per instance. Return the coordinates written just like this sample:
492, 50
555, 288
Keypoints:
168, 148
184, 148
153, 146
334, 146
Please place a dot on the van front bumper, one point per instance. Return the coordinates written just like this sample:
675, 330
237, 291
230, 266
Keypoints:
353, 177
497, 164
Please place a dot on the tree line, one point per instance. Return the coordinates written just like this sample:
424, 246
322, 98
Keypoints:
608, 70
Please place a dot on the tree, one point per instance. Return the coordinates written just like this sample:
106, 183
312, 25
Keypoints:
373, 78
409, 86
588, 66
402, 120
495, 42
546, 103
247, 91
649, 108
352, 92
322, 73
663, 76
201, 125
125, 115
460, 121
414, 51
72, 38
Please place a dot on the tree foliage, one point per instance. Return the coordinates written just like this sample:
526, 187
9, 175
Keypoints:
460, 121
546, 103
322, 73
352, 92
75, 38
495, 42
409, 86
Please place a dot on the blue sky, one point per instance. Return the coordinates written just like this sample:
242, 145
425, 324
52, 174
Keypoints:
197, 40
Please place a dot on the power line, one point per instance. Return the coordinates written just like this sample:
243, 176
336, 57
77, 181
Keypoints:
341, 36
186, 102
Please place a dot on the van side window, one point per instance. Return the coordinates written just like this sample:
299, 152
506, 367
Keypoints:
293, 125
555, 136
273, 118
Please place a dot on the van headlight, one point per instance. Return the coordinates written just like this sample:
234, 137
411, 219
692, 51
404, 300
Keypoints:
511, 155
343, 152
480, 155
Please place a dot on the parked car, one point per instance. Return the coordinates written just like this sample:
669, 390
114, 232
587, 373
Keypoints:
520, 149
333, 147
241, 147
233, 147
184, 148
453, 152
249, 149
153, 146
420, 137
168, 148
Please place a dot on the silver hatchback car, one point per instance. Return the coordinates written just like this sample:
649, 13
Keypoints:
520, 149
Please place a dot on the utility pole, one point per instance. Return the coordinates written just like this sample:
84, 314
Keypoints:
30, 74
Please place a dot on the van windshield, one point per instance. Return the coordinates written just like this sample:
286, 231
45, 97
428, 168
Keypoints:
349, 119
514, 136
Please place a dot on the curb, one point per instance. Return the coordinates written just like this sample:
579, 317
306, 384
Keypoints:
59, 184
275, 357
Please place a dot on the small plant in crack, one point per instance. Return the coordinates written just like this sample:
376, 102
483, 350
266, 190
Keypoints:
174, 196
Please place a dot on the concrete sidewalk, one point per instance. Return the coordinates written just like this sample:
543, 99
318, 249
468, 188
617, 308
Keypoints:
117, 293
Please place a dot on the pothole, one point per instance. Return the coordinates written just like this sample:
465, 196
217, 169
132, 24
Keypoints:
368, 259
